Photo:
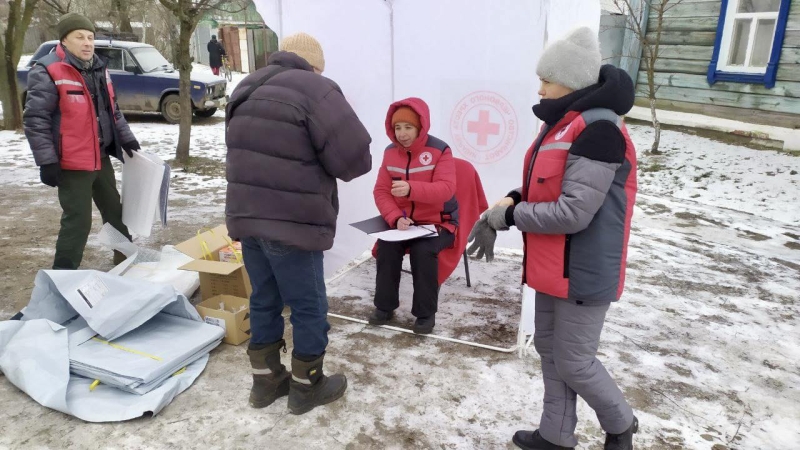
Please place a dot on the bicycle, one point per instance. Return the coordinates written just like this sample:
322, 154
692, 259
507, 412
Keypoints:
226, 69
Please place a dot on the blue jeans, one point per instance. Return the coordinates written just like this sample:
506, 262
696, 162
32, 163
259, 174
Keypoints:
281, 274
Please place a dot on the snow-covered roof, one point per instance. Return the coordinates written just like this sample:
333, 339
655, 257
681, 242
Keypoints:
610, 6
107, 24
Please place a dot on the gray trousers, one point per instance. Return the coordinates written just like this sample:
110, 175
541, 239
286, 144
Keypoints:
566, 338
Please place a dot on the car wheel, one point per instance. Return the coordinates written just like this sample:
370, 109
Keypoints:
171, 108
204, 113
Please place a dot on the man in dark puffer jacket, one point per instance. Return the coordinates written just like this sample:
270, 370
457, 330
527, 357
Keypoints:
73, 124
288, 142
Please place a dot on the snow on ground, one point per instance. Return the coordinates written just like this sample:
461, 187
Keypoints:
703, 342
764, 183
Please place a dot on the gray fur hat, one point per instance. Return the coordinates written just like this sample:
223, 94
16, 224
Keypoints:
574, 61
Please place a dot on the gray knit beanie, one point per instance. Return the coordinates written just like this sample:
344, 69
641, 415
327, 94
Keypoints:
72, 21
574, 61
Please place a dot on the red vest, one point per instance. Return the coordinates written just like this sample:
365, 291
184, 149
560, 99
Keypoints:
547, 256
78, 135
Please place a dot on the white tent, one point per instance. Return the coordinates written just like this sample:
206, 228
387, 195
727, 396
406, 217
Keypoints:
472, 61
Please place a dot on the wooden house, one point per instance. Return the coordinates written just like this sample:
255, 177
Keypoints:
734, 59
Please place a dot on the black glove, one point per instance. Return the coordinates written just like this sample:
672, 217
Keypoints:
50, 174
130, 147
484, 236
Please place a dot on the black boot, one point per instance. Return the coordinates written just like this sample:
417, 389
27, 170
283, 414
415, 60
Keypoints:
119, 257
624, 440
310, 387
270, 377
380, 317
532, 440
424, 325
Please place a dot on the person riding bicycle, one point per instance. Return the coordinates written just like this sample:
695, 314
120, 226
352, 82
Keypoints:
215, 53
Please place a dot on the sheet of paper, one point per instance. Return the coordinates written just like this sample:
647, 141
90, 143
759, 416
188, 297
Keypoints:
92, 291
142, 180
163, 197
413, 232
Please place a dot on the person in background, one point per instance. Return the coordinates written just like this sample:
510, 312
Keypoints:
73, 124
416, 185
215, 53
290, 135
574, 209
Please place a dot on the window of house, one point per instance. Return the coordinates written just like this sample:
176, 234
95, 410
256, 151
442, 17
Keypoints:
749, 39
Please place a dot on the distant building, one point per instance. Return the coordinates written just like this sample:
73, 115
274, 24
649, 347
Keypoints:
734, 59
248, 41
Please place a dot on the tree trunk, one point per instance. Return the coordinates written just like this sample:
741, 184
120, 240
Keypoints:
4, 98
12, 108
184, 63
651, 94
123, 9
20, 13
656, 127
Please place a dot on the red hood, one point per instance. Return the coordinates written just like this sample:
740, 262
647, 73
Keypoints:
421, 108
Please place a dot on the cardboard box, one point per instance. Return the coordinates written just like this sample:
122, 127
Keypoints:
216, 277
231, 253
236, 324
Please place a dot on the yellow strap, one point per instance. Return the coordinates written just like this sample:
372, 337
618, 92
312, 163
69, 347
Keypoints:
93, 385
204, 245
179, 372
126, 349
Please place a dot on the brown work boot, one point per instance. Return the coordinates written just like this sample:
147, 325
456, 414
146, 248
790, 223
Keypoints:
311, 388
270, 377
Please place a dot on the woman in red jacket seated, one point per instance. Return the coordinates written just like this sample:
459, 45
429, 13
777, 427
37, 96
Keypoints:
416, 186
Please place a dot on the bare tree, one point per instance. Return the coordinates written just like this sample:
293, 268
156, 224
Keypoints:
20, 13
189, 13
122, 8
59, 6
638, 14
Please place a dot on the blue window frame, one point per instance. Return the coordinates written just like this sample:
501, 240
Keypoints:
749, 41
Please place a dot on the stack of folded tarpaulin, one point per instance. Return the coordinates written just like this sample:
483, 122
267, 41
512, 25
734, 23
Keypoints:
103, 347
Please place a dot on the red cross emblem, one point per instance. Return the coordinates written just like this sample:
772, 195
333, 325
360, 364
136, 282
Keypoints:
483, 127
425, 158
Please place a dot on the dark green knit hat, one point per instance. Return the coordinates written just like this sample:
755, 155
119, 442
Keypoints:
70, 22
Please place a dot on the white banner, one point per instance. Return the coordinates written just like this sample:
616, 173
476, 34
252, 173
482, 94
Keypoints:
472, 61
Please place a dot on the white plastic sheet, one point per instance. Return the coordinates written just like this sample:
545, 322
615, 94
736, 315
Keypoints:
35, 353
472, 61
111, 305
145, 188
145, 264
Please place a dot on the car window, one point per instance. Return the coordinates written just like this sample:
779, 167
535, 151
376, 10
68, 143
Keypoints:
130, 63
150, 59
113, 56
